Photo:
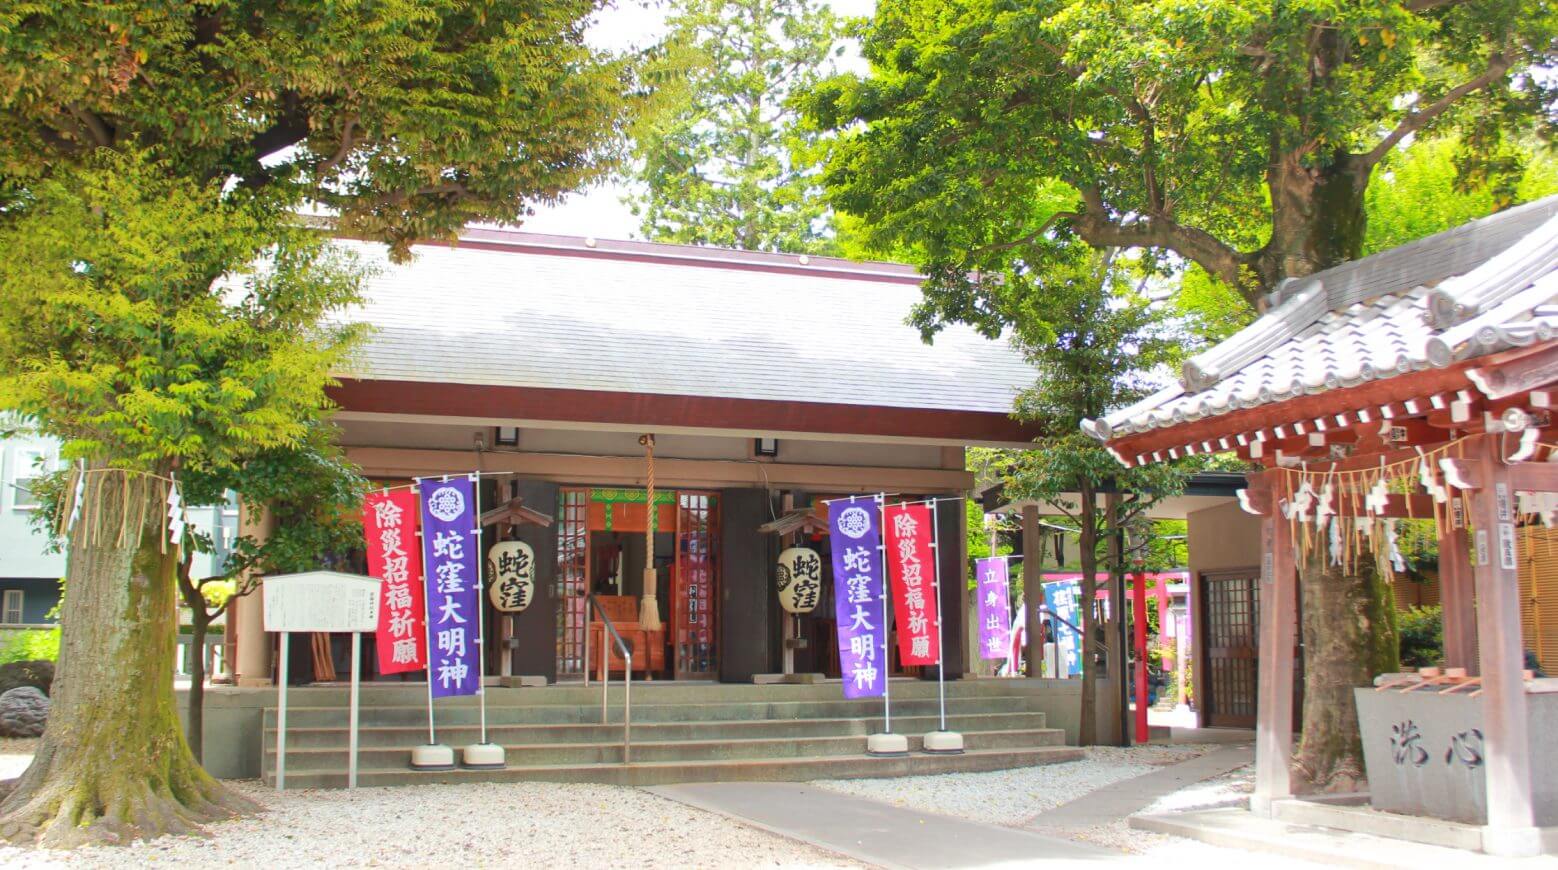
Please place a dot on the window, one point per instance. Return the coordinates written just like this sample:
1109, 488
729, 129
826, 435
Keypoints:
11, 607
29, 464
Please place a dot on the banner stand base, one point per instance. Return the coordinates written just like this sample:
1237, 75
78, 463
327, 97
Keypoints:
944, 743
432, 756
887, 744
483, 756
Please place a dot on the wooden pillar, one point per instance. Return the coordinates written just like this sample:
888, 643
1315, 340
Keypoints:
1455, 592
1278, 627
1032, 587
251, 659
1511, 830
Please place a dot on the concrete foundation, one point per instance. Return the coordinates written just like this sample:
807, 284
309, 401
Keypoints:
1425, 754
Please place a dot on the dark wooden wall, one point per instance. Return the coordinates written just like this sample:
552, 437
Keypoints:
535, 630
950, 521
747, 607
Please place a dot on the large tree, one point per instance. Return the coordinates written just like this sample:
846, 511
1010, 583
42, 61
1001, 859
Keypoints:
733, 163
162, 311
1240, 138
1174, 123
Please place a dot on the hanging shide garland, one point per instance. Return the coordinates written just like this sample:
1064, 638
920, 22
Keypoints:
1342, 509
81, 501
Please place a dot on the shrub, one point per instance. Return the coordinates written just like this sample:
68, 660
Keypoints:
34, 644
1421, 631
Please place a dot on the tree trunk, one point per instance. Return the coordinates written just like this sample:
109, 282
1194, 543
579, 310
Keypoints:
196, 716
1318, 216
1087, 512
1348, 624
113, 764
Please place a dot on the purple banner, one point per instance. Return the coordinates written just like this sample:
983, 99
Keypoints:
994, 594
450, 548
858, 596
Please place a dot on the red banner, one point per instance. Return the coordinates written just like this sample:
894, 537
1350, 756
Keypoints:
911, 562
389, 522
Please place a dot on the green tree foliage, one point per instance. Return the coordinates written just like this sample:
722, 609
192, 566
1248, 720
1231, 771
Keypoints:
165, 312
407, 118
1172, 123
733, 164
1424, 189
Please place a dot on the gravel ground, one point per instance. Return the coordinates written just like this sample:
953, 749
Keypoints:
478, 825
1012, 797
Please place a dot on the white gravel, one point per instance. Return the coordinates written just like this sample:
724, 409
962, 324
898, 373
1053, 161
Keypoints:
1012, 797
477, 825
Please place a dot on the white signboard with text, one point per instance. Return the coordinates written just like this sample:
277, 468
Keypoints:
321, 601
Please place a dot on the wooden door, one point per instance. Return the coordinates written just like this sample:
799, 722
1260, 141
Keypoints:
571, 580
695, 585
1227, 624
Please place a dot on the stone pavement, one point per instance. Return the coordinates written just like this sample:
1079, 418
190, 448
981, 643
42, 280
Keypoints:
874, 832
1127, 797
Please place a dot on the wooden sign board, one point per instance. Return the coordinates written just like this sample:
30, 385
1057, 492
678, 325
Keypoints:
321, 601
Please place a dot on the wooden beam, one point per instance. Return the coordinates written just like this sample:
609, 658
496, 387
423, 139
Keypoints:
1510, 831
1534, 476
1274, 705
405, 463
1531, 371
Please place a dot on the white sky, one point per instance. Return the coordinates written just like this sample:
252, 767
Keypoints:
599, 211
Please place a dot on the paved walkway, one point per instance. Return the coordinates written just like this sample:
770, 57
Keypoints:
1127, 797
874, 832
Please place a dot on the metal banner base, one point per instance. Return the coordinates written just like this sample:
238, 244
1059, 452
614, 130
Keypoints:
483, 756
432, 756
887, 745
944, 743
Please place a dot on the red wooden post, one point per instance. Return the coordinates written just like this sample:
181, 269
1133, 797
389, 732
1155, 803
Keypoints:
1511, 830
1139, 620
1278, 624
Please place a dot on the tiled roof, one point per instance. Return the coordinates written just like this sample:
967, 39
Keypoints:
518, 309
1455, 295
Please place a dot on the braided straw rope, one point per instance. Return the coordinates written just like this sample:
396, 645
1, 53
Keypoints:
648, 606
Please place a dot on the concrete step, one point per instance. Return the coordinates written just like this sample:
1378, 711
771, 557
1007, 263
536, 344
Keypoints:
1352, 815
644, 710
731, 749
722, 770
663, 692
403, 736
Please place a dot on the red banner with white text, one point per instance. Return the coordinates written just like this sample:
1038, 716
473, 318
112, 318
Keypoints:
911, 562
389, 522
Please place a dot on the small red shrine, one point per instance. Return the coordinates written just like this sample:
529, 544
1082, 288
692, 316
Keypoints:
1420, 383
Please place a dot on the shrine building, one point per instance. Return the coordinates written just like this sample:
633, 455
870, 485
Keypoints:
601, 387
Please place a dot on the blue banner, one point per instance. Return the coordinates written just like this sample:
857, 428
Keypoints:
450, 545
858, 601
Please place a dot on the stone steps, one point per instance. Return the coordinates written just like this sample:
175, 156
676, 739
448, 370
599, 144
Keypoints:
722, 770
681, 732
644, 710
724, 749
593, 732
